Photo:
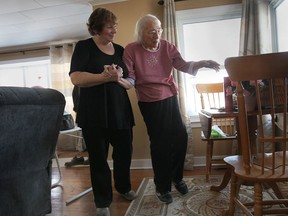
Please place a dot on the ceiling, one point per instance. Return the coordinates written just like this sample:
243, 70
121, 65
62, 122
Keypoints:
31, 22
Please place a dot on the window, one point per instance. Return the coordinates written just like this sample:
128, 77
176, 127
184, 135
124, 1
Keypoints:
208, 33
279, 25
27, 73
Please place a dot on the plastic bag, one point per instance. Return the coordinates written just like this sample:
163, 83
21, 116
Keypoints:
217, 132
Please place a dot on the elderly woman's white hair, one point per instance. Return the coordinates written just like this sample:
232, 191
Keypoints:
141, 25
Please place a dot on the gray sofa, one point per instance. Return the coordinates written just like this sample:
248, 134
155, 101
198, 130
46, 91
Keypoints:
30, 120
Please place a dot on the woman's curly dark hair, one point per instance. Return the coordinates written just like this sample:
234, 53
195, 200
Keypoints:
98, 19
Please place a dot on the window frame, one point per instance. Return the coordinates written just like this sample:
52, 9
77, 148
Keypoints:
273, 6
198, 15
25, 65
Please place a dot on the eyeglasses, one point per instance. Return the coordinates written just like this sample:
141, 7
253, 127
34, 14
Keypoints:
155, 31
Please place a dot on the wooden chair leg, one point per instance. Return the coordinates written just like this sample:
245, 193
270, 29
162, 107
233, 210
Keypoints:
276, 190
258, 197
233, 194
209, 154
225, 180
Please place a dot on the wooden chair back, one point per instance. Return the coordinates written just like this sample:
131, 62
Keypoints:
263, 163
273, 68
212, 97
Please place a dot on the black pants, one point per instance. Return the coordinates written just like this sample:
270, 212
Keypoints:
97, 141
168, 141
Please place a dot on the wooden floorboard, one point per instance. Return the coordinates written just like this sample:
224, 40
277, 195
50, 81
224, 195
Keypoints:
77, 179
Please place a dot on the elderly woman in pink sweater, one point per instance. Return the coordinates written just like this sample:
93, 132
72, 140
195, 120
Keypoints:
150, 60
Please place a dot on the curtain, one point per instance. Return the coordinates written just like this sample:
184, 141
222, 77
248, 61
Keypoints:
255, 33
60, 57
170, 34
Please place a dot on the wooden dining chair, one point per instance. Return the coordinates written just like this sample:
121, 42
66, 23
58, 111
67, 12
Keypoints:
262, 165
212, 97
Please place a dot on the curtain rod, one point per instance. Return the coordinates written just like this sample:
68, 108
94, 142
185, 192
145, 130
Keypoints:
31, 50
161, 2
23, 51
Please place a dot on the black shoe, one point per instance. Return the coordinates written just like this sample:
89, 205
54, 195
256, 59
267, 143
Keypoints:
130, 195
181, 187
164, 197
75, 161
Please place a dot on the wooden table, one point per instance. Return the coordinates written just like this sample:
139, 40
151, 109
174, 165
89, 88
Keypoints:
252, 119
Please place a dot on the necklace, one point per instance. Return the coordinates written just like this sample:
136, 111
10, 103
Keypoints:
153, 49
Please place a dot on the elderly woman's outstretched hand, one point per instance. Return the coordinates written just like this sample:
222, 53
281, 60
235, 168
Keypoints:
208, 64
211, 64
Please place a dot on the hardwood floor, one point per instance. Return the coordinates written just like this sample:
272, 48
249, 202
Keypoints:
77, 179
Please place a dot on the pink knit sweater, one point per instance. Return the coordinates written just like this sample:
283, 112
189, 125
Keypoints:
152, 71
